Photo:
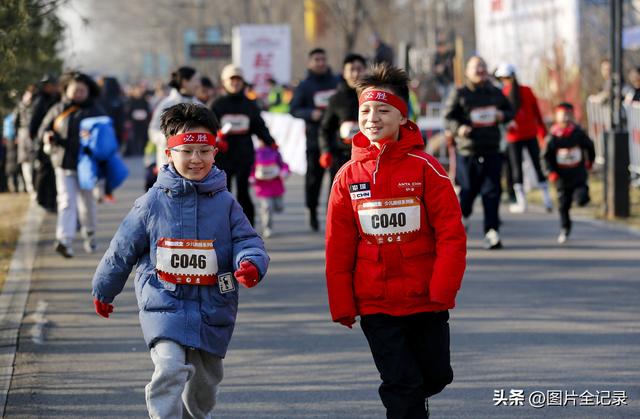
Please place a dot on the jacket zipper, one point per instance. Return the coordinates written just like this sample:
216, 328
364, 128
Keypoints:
378, 163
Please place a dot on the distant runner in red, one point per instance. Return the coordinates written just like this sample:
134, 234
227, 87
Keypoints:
395, 247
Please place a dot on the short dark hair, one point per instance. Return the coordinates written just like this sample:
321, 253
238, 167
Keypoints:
317, 51
351, 57
565, 105
76, 76
181, 74
388, 77
206, 82
183, 117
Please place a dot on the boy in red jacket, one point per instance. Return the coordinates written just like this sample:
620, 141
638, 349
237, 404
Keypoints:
395, 247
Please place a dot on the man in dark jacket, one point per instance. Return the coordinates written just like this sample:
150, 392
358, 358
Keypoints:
239, 118
340, 121
310, 99
44, 180
473, 113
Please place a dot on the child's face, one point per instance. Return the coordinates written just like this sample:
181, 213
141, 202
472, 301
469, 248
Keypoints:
563, 116
379, 121
193, 162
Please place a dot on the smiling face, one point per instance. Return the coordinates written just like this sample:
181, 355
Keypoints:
193, 162
379, 121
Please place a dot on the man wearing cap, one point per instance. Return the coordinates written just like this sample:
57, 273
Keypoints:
309, 102
474, 113
239, 118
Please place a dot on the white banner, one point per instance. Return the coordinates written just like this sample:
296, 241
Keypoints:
263, 52
289, 133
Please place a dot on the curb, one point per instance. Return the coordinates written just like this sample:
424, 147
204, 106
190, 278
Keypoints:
14, 296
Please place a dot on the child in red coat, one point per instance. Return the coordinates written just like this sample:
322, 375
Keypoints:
395, 247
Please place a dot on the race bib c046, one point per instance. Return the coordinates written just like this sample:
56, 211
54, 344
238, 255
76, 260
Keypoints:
186, 261
390, 220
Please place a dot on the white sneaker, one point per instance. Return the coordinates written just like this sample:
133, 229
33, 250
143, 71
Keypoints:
563, 236
517, 208
266, 233
89, 244
492, 240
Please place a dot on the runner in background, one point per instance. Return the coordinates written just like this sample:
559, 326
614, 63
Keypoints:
310, 99
340, 121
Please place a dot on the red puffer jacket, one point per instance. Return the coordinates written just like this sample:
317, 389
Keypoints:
528, 122
395, 242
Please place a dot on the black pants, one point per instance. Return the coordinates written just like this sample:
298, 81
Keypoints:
412, 355
339, 159
514, 150
241, 173
313, 179
480, 175
566, 195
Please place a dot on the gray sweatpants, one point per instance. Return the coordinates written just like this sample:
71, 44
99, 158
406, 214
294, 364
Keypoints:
184, 383
267, 207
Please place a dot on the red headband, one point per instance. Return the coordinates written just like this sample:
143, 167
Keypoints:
385, 97
192, 138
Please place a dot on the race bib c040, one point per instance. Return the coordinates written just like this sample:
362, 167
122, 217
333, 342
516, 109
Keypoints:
390, 220
186, 261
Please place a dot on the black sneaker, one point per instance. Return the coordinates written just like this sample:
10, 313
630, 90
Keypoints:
313, 220
65, 251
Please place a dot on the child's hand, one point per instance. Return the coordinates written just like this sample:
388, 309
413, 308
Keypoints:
553, 177
103, 309
347, 321
247, 274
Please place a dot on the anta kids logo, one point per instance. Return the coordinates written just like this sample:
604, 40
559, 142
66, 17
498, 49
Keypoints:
360, 190
410, 186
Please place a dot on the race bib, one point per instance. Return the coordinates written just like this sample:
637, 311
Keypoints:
139, 115
239, 123
321, 98
484, 116
267, 171
348, 129
390, 220
186, 261
569, 157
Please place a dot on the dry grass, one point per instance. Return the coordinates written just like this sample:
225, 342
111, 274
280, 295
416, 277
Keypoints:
13, 208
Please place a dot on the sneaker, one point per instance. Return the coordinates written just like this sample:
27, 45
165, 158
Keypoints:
313, 220
89, 244
109, 199
563, 236
65, 251
492, 240
266, 233
517, 208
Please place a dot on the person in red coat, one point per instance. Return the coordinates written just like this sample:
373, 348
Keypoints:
522, 133
395, 247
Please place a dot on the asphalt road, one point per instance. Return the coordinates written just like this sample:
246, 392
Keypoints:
534, 316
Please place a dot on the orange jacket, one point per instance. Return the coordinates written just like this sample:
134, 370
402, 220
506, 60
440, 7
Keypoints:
395, 242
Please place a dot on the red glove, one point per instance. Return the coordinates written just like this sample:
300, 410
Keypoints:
553, 177
588, 164
325, 160
103, 309
221, 142
347, 321
247, 274
274, 146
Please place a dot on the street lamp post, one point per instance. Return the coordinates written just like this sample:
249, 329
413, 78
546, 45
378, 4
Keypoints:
616, 168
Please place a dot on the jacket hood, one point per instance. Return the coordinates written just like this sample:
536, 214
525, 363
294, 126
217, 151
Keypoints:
170, 180
410, 139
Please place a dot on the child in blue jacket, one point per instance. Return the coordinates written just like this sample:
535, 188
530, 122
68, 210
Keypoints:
191, 242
